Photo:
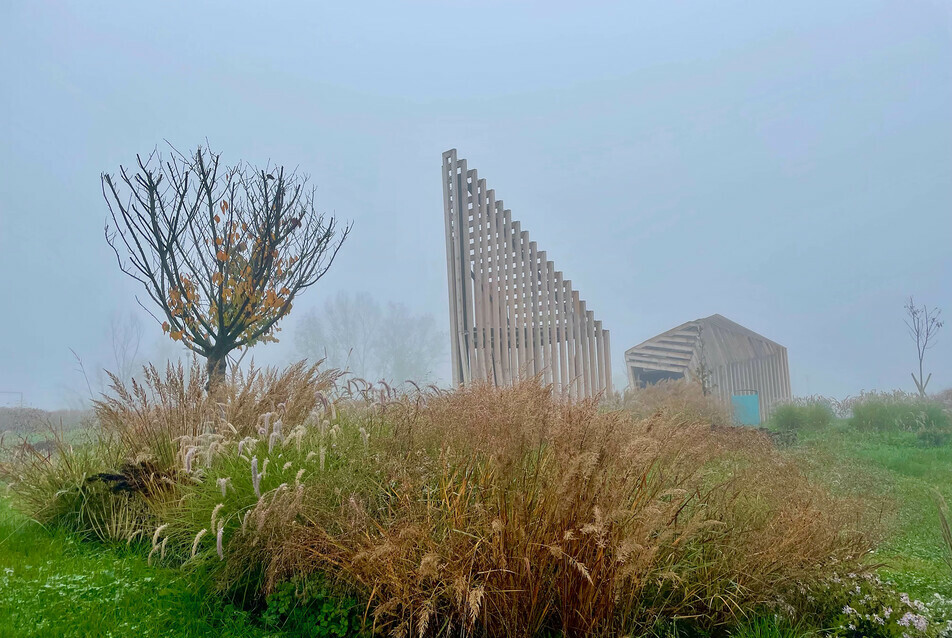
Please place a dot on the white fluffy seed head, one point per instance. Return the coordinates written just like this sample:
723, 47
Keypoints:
189, 455
158, 532
218, 542
255, 477
198, 538
215, 511
274, 438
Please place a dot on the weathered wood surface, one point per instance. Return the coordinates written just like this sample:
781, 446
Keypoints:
512, 315
736, 358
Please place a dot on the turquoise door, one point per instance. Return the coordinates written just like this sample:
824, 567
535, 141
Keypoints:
746, 408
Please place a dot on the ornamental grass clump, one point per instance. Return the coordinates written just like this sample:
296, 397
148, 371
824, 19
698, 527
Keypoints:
509, 512
490, 511
152, 417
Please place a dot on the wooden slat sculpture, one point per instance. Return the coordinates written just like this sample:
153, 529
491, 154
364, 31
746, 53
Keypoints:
512, 314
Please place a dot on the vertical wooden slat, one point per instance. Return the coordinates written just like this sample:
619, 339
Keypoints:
451, 221
544, 317
563, 334
498, 290
592, 356
553, 324
570, 318
519, 290
599, 358
466, 271
486, 305
586, 351
578, 383
511, 295
527, 304
535, 316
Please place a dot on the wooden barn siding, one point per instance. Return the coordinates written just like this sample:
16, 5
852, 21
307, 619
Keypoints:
738, 359
512, 315
769, 376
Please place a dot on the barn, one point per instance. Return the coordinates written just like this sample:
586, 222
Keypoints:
737, 364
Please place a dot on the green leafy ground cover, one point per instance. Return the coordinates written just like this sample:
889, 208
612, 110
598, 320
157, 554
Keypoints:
52, 585
896, 473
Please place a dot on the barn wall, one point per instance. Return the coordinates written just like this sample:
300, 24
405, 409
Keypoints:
737, 358
767, 375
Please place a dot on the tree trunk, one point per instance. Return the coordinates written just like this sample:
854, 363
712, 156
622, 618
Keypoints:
217, 367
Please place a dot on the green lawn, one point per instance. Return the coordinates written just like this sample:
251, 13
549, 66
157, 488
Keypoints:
892, 472
54, 585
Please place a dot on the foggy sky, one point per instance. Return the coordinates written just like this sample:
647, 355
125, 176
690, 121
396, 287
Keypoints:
788, 165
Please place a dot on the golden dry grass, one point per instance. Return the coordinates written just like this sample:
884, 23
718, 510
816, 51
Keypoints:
495, 511
509, 512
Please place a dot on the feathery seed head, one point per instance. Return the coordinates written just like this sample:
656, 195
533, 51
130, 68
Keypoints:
158, 532
198, 538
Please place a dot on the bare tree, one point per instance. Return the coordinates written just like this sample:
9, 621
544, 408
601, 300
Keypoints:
923, 326
343, 333
222, 251
354, 333
126, 340
702, 372
408, 346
